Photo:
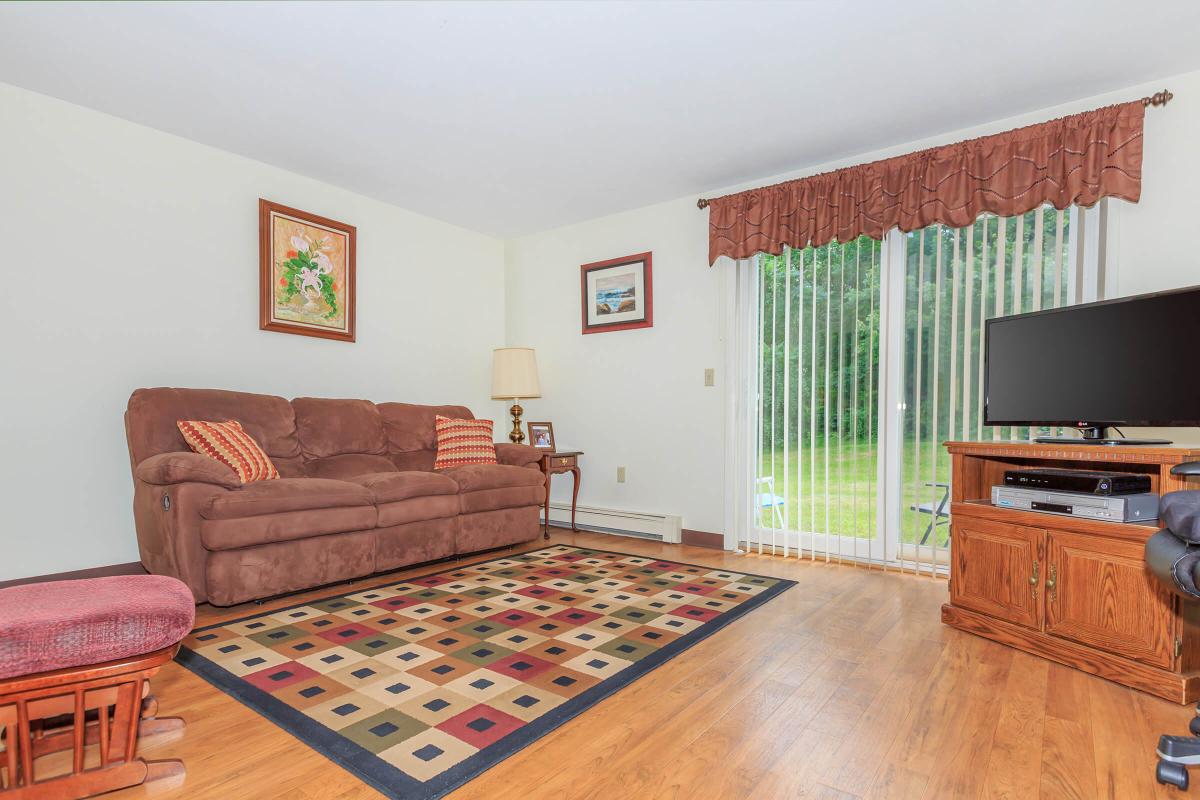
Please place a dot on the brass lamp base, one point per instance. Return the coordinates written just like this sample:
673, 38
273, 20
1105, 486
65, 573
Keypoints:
516, 435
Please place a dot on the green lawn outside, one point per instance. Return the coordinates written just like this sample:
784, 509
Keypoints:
851, 489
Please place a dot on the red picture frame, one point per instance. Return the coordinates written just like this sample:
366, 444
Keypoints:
610, 285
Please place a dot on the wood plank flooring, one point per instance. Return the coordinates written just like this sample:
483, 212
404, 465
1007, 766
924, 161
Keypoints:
846, 686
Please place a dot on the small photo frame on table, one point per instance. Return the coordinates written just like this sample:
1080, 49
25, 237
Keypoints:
541, 435
617, 294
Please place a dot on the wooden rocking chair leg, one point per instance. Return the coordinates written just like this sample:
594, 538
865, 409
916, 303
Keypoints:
106, 706
88, 784
63, 739
168, 768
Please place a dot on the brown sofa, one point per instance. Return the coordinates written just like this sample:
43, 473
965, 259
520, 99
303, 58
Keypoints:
357, 493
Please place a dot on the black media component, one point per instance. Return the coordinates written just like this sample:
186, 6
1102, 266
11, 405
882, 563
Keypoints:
1076, 480
1056, 508
1096, 365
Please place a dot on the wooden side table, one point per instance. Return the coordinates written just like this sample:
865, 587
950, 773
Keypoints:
556, 463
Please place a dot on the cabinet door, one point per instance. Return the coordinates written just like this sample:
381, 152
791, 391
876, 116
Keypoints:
1099, 593
993, 567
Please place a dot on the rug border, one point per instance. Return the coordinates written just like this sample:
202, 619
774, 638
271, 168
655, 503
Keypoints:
393, 782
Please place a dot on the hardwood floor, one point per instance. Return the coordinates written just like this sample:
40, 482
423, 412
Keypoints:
846, 686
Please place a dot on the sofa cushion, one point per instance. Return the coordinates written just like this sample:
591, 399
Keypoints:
410, 426
418, 509
152, 413
414, 460
349, 465
390, 487
238, 532
49, 626
284, 495
503, 497
412, 444
476, 477
229, 444
328, 427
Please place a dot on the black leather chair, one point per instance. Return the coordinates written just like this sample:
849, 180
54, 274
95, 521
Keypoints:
1173, 555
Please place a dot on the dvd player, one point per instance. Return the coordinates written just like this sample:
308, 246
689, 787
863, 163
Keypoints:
1077, 480
1119, 508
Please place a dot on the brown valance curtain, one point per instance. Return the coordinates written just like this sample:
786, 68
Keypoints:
1074, 160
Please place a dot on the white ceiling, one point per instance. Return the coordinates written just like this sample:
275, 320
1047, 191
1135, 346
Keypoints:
509, 118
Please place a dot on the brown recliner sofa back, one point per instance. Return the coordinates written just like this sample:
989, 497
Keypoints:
357, 493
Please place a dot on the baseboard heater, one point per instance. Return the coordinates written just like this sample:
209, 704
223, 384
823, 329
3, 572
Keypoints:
663, 527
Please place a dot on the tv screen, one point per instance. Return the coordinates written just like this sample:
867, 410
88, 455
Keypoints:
1129, 361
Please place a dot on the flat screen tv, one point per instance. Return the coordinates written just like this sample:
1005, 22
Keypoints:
1130, 361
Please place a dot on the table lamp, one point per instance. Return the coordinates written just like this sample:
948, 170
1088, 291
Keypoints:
515, 376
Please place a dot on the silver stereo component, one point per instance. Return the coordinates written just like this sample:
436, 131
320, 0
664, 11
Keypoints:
1115, 508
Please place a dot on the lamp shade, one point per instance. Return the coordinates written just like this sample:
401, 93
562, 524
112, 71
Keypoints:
514, 373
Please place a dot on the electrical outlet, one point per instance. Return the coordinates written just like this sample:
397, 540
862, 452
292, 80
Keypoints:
620, 474
710, 377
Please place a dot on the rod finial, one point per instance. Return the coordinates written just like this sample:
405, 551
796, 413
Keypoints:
1158, 98
702, 204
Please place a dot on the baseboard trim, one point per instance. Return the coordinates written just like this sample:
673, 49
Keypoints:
132, 568
703, 539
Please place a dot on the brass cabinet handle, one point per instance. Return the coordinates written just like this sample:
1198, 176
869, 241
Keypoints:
1052, 581
1033, 579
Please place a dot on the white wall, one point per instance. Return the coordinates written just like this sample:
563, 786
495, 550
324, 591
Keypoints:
636, 398
631, 398
130, 258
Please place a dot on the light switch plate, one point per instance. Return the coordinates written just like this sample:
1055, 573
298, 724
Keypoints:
710, 377
620, 474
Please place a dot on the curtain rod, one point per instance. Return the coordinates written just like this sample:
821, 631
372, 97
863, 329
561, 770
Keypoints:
1156, 99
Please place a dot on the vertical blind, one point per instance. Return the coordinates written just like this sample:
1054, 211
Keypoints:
818, 389
955, 280
818, 377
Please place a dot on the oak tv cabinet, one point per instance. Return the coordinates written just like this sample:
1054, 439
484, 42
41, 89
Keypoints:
1075, 591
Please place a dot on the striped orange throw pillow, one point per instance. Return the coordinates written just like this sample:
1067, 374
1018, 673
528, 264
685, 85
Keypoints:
232, 446
463, 441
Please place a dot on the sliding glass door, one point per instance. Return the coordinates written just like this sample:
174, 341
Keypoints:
866, 356
817, 458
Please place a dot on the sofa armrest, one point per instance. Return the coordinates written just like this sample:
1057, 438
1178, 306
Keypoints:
169, 468
167, 519
518, 455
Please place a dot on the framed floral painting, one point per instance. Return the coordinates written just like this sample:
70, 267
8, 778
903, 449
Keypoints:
617, 294
306, 273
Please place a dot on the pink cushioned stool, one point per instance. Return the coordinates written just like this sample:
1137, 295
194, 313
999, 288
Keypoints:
75, 662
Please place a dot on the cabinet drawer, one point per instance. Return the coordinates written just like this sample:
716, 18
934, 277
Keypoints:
1102, 596
997, 570
562, 461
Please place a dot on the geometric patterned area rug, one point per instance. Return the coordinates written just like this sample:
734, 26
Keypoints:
417, 687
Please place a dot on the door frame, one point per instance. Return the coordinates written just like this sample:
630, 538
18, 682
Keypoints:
1092, 247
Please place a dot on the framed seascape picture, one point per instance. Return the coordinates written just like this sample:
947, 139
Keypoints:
617, 294
541, 435
306, 273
